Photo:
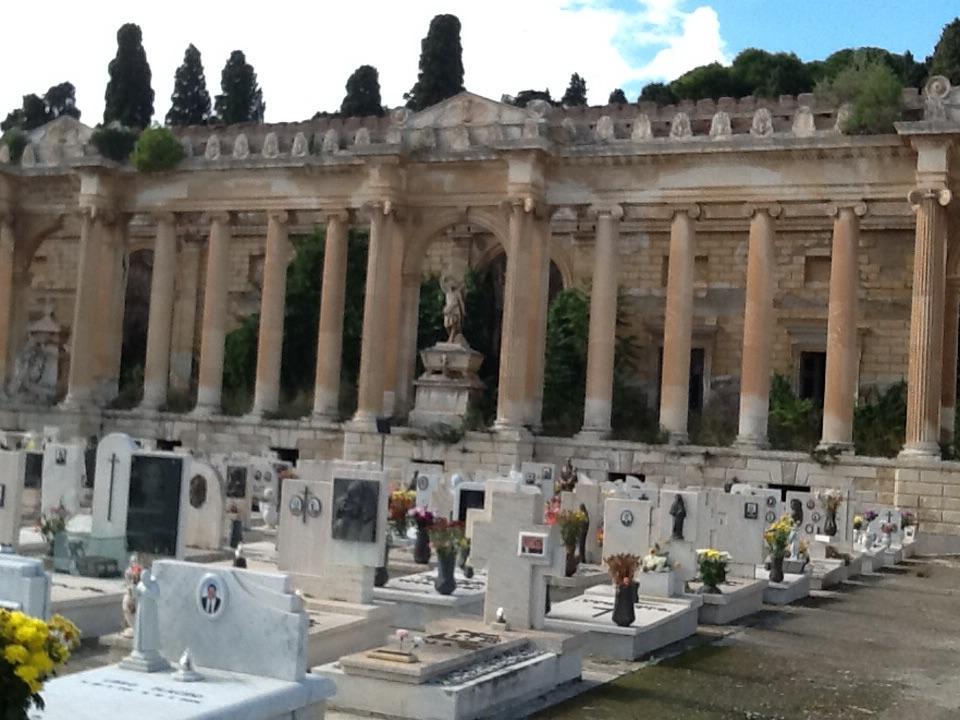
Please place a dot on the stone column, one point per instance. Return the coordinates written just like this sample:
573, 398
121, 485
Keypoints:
185, 309
372, 360
157, 369
539, 299
948, 391
326, 393
266, 397
210, 381
513, 340
757, 330
82, 334
115, 310
926, 323
678, 327
840, 389
393, 322
6, 296
407, 359
601, 347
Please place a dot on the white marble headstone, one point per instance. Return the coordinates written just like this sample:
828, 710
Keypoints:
205, 524
12, 468
627, 526
24, 585
111, 489
64, 472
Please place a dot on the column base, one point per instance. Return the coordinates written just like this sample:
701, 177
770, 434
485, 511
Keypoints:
920, 451
593, 434
205, 411
362, 423
750, 442
841, 448
73, 402
324, 418
678, 438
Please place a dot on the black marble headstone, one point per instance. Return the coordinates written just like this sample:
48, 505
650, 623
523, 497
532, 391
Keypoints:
33, 475
153, 512
470, 500
355, 509
237, 481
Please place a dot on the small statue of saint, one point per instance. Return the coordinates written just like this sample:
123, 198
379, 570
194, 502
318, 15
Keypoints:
678, 510
454, 310
567, 480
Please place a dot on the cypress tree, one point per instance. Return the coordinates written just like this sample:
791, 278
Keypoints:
576, 93
617, 97
441, 64
129, 97
242, 99
190, 102
363, 93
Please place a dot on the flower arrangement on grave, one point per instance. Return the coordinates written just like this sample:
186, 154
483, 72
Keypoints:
907, 519
622, 568
831, 500
464, 556
52, 523
445, 537
551, 510
869, 516
572, 524
858, 522
804, 550
777, 536
131, 578
887, 529
400, 503
30, 652
655, 561
423, 519
713, 568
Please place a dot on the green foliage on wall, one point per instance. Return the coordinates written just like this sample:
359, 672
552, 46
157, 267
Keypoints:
565, 370
880, 421
794, 423
156, 149
114, 142
873, 92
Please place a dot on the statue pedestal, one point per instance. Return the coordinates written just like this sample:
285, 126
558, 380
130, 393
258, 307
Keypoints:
447, 386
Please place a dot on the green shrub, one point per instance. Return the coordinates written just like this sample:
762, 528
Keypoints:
880, 421
794, 424
114, 142
156, 149
16, 140
874, 94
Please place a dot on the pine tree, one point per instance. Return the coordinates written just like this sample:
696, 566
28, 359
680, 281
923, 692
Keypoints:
946, 54
441, 64
617, 97
129, 97
242, 99
363, 93
576, 94
190, 102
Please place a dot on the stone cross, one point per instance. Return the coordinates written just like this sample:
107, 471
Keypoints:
515, 582
146, 633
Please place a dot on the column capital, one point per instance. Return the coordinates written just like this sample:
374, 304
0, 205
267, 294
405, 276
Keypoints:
383, 207
278, 216
165, 217
341, 214
915, 197
220, 216
859, 208
103, 215
613, 210
693, 210
773, 209
526, 204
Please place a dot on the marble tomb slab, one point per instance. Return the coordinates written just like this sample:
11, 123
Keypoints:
794, 587
738, 598
93, 604
827, 573
587, 576
416, 603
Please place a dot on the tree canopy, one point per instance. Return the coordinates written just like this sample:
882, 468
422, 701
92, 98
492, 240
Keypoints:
241, 99
363, 93
35, 111
190, 102
129, 97
441, 64
525, 96
576, 94
617, 97
946, 54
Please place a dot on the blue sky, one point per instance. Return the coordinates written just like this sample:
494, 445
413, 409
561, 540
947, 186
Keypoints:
304, 52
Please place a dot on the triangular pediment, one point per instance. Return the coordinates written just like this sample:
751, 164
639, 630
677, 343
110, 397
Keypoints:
467, 109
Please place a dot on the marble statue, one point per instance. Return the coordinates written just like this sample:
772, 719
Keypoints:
268, 508
568, 476
796, 511
678, 510
453, 310
146, 633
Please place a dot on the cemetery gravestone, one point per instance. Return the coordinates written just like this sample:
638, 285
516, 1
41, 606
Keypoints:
587, 495
810, 510
63, 477
24, 585
155, 504
626, 526
677, 529
205, 519
736, 523
12, 466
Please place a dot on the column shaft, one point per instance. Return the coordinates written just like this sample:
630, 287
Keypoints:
757, 333
272, 302
326, 394
539, 298
407, 360
926, 325
210, 381
185, 308
948, 391
6, 298
393, 320
157, 368
678, 329
601, 347
82, 340
513, 340
840, 390
372, 361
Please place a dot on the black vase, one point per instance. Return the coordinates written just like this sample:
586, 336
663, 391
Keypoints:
421, 548
776, 568
446, 581
623, 612
547, 605
830, 524
236, 533
381, 576
572, 562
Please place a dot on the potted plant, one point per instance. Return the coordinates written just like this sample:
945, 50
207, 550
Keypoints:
401, 501
858, 529
572, 523
887, 529
52, 523
445, 537
30, 651
423, 519
831, 500
713, 569
907, 519
776, 537
622, 568
868, 517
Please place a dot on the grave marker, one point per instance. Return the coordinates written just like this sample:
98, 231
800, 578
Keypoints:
12, 467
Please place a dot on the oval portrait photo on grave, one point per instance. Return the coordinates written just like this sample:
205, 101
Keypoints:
211, 595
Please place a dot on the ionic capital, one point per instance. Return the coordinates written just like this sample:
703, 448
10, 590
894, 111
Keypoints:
915, 197
278, 216
165, 218
692, 211
219, 216
612, 210
859, 208
341, 214
774, 209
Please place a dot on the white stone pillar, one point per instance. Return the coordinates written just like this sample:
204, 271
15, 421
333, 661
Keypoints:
678, 327
7, 243
157, 369
758, 319
601, 348
372, 360
326, 393
538, 307
210, 380
407, 360
266, 398
926, 323
948, 391
186, 294
840, 388
393, 322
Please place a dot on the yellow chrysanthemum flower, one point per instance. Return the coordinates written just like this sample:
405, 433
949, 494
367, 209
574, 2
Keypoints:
15, 654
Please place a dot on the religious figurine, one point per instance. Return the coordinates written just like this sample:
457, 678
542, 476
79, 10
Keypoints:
268, 508
146, 634
679, 512
131, 578
583, 534
568, 476
796, 511
453, 310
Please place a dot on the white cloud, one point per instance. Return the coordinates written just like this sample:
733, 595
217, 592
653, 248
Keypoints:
303, 53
